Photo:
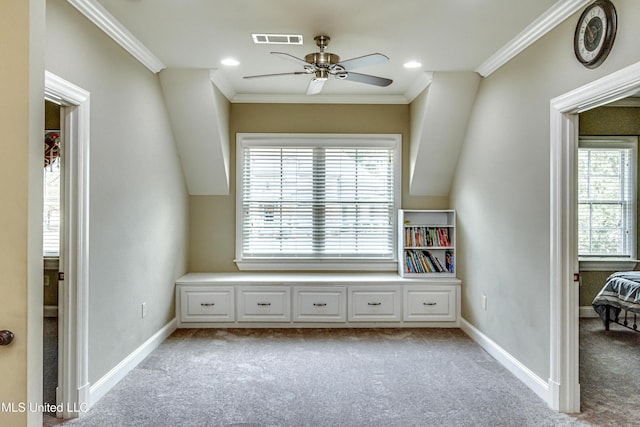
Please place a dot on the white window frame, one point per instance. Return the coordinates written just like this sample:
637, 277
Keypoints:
615, 263
292, 264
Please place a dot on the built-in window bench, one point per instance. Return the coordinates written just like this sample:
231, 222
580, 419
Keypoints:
286, 300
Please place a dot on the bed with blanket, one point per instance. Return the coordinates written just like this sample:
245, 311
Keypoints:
619, 300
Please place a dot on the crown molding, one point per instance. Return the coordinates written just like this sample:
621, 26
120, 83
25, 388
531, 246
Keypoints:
556, 14
114, 29
420, 84
222, 84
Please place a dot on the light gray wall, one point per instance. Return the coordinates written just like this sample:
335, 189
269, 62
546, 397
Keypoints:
138, 198
501, 187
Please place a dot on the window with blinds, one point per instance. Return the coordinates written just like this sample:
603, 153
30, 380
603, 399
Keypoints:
318, 197
51, 209
607, 197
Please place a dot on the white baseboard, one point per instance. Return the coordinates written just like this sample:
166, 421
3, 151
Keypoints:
107, 382
587, 311
524, 374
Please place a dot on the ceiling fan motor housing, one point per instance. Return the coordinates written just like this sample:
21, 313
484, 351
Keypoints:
322, 59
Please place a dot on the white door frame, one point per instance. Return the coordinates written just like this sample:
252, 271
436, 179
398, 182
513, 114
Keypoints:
564, 381
73, 384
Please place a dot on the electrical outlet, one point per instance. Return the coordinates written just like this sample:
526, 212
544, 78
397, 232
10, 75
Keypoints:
484, 302
144, 310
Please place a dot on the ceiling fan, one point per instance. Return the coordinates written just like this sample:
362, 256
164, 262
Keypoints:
324, 64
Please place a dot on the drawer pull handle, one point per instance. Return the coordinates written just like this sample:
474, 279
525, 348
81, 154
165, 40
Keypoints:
374, 303
429, 303
319, 304
264, 304
207, 304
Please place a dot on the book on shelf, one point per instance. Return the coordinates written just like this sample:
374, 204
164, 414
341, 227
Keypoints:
436, 261
426, 236
449, 261
421, 261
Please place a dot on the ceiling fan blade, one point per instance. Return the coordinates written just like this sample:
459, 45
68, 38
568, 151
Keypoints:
274, 75
291, 58
370, 80
364, 61
315, 85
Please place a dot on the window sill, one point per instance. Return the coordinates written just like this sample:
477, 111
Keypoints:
316, 265
607, 264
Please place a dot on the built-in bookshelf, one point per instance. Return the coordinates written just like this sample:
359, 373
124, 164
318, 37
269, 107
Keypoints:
427, 243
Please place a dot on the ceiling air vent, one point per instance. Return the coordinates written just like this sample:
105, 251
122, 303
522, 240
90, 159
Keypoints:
277, 38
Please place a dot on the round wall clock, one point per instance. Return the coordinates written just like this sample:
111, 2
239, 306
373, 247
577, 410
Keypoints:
595, 33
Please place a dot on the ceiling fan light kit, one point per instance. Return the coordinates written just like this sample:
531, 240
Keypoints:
323, 64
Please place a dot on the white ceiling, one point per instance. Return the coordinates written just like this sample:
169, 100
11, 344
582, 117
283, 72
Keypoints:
457, 42
444, 35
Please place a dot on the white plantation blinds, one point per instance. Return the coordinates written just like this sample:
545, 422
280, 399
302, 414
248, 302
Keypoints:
318, 199
606, 199
51, 210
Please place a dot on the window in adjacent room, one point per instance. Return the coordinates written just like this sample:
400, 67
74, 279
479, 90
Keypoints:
607, 184
51, 190
317, 201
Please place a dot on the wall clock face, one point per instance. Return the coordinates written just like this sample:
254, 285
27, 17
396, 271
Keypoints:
595, 33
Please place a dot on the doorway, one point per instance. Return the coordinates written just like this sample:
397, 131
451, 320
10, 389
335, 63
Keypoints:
51, 249
73, 392
564, 384
607, 164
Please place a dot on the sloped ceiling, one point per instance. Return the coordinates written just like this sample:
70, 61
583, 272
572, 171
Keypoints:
199, 116
456, 41
439, 119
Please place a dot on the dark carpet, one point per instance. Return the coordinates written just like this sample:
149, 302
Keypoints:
49, 361
609, 374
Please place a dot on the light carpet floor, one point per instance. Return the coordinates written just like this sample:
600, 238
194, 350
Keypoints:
321, 377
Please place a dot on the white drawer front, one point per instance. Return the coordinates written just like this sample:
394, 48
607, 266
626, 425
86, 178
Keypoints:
264, 303
207, 304
316, 304
430, 304
374, 305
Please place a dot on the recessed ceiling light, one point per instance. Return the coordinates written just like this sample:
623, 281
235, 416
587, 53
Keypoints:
230, 61
412, 64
